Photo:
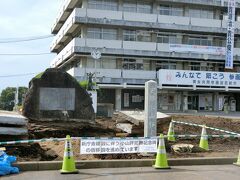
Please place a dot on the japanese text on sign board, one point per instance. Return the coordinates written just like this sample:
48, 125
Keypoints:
230, 34
203, 78
117, 146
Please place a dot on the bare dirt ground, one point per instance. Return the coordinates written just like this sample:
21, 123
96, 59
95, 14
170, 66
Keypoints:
107, 128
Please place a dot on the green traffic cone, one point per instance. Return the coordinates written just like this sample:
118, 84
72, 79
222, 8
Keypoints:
161, 159
204, 139
171, 133
68, 166
238, 160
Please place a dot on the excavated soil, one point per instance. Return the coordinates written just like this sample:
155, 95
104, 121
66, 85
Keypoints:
106, 127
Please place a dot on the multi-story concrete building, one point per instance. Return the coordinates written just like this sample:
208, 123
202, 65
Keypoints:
178, 43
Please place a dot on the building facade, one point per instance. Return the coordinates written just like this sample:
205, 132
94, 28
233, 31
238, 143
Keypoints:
180, 44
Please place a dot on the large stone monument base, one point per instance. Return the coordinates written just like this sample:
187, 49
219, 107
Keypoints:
56, 95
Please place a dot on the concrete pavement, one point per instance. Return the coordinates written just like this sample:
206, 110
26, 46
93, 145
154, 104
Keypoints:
214, 172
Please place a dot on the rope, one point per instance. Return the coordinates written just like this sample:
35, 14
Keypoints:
113, 138
199, 125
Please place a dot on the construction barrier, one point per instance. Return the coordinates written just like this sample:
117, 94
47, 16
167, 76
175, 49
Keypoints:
121, 145
32, 141
113, 138
207, 127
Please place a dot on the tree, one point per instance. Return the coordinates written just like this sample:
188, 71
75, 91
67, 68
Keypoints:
7, 97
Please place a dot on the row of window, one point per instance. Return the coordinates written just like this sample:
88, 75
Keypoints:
139, 64
194, 66
134, 35
147, 7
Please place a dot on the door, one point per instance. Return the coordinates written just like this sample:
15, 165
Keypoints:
193, 102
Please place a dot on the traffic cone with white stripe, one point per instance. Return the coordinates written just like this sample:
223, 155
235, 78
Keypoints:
68, 166
238, 161
204, 139
171, 133
161, 159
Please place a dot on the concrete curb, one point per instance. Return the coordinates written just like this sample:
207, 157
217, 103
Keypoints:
56, 165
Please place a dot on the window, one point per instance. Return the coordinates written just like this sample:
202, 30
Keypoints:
133, 35
201, 41
105, 63
129, 7
132, 64
236, 42
210, 67
165, 38
201, 13
219, 41
129, 35
100, 33
170, 10
144, 36
203, 66
94, 33
221, 67
195, 66
164, 10
103, 4
143, 7
110, 34
135, 6
166, 65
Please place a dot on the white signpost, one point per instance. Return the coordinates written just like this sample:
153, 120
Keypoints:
118, 146
150, 108
230, 34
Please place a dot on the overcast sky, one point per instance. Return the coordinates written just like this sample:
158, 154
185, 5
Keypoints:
19, 19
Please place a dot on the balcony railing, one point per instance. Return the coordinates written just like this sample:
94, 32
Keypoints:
167, 78
66, 4
207, 2
118, 16
113, 47
63, 14
114, 75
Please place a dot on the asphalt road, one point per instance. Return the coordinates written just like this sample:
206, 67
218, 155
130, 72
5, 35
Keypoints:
223, 172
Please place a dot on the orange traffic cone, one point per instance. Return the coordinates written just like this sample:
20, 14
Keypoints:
68, 166
161, 159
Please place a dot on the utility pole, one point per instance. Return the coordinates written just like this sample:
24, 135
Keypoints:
16, 100
96, 55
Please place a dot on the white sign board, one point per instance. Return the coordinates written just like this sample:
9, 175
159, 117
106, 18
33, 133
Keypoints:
197, 49
198, 78
230, 34
52, 99
118, 146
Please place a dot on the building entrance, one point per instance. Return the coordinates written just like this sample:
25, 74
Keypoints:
193, 101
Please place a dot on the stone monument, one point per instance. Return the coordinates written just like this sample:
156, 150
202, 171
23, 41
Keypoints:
56, 95
150, 108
